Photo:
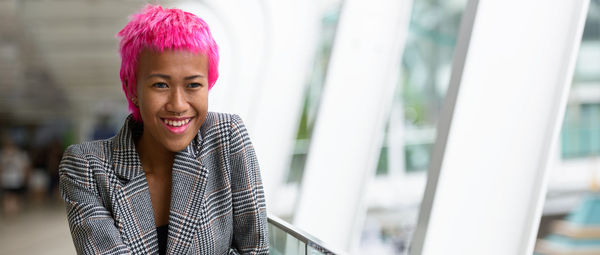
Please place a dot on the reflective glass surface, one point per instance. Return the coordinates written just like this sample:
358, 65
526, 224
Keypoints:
285, 239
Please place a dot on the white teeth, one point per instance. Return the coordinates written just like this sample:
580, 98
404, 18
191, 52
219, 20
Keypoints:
177, 123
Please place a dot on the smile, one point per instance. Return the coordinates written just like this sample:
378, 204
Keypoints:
178, 125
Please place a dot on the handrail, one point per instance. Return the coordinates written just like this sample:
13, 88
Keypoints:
307, 239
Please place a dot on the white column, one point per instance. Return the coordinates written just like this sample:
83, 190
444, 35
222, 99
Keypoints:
292, 43
267, 48
396, 133
348, 133
241, 29
511, 74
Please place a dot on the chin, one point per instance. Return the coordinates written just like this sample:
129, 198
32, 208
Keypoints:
177, 147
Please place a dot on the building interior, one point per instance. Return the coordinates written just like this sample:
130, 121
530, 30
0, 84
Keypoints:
359, 111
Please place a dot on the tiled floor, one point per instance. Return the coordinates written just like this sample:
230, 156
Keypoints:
37, 230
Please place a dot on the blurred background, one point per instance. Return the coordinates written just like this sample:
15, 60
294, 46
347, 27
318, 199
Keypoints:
59, 85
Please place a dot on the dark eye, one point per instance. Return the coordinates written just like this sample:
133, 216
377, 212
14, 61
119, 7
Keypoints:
160, 85
194, 85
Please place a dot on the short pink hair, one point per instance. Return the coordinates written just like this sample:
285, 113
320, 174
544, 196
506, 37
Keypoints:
158, 29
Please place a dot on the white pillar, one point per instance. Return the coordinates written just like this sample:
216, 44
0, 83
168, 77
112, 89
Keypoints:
487, 179
292, 44
267, 48
348, 133
241, 29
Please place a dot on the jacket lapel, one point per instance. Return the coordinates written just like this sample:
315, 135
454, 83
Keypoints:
189, 181
188, 185
133, 207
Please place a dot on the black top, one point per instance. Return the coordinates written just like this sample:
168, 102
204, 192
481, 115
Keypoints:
162, 233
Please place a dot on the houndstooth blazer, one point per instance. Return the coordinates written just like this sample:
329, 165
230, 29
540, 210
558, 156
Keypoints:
217, 200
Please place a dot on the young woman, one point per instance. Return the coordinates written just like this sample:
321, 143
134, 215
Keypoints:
176, 179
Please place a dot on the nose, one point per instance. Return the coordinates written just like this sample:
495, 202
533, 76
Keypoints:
177, 101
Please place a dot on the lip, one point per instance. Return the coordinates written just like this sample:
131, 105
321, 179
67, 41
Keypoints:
180, 129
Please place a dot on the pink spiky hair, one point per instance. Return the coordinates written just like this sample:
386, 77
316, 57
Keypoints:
157, 28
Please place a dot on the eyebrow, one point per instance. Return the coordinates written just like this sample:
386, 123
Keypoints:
167, 77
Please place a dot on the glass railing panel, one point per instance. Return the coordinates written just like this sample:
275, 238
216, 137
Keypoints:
285, 239
283, 243
314, 251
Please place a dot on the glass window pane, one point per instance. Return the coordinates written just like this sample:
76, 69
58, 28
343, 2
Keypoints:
282, 243
424, 78
581, 127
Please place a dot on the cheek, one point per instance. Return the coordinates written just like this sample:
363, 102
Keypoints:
205, 107
206, 98
202, 109
149, 102
204, 103
201, 102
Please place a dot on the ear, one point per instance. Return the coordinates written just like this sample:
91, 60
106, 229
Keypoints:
133, 97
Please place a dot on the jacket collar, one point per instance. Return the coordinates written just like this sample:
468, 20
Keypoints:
126, 162
189, 181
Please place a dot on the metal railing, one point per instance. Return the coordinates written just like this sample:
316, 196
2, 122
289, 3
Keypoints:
286, 239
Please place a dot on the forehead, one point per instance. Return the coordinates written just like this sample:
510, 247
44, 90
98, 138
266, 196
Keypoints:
172, 61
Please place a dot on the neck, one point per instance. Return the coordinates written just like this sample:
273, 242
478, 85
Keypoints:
155, 159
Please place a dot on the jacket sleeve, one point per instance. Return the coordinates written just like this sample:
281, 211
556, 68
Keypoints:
92, 226
250, 234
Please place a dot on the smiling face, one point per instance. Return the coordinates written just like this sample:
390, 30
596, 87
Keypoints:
172, 95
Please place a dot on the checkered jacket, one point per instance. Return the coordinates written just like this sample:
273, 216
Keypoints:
217, 201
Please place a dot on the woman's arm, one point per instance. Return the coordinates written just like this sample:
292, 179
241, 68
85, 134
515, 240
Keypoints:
92, 226
250, 234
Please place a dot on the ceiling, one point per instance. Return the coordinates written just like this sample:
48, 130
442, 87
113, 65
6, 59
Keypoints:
60, 58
